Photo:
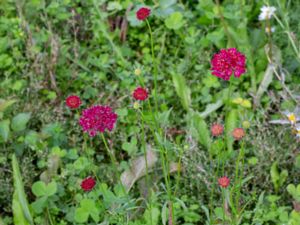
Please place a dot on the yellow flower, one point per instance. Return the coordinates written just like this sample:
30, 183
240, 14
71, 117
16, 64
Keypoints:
136, 105
137, 72
291, 117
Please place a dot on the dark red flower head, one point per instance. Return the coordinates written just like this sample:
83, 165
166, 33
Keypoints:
97, 118
238, 133
224, 182
216, 129
88, 184
227, 62
140, 94
143, 13
73, 102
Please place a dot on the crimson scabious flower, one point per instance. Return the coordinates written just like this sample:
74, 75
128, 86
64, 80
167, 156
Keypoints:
143, 13
140, 94
73, 102
224, 182
216, 130
97, 118
227, 62
238, 133
88, 184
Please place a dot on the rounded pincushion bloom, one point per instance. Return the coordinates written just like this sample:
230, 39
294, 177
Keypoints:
216, 129
88, 184
224, 182
140, 94
238, 133
97, 118
73, 102
227, 62
143, 13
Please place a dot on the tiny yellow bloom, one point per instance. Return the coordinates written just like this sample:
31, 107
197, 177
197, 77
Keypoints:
136, 105
246, 124
246, 103
237, 101
137, 72
292, 118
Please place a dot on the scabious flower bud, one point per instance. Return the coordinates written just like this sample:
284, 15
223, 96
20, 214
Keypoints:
136, 105
73, 102
224, 182
88, 184
238, 133
216, 129
143, 13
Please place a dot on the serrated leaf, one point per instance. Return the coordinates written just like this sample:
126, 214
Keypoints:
19, 121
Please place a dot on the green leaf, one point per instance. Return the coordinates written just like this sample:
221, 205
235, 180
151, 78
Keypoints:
202, 130
19, 218
275, 176
51, 188
39, 205
182, 90
4, 104
19, 121
174, 21
230, 124
81, 215
39, 189
4, 130
20, 199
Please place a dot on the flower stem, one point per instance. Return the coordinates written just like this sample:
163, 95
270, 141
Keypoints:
146, 163
154, 64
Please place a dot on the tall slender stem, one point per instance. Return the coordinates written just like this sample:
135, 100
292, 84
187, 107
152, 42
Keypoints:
155, 66
146, 163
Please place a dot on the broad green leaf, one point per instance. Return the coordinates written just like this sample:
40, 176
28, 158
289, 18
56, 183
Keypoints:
39, 189
19, 218
152, 216
174, 21
19, 192
275, 176
202, 130
19, 121
230, 124
51, 188
182, 90
4, 130
39, 205
81, 215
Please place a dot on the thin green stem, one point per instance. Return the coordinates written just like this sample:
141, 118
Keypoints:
155, 66
146, 163
49, 216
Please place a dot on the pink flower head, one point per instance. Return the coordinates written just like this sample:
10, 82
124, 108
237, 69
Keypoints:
140, 94
227, 62
97, 118
216, 129
143, 13
88, 184
238, 133
73, 102
224, 182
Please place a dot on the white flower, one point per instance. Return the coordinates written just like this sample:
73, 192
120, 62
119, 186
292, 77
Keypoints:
266, 12
297, 128
268, 30
291, 117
